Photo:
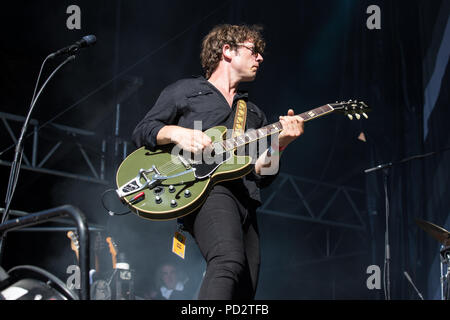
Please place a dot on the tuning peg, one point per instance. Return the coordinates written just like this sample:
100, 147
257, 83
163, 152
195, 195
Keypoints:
357, 116
365, 115
350, 116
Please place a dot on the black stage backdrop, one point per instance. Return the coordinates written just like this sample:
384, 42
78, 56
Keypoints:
317, 52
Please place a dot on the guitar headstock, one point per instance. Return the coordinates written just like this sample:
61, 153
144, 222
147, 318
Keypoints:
112, 250
352, 108
74, 242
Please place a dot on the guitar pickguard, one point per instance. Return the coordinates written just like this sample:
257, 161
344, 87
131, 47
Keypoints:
204, 170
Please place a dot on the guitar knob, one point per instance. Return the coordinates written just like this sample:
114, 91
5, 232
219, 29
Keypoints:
173, 203
357, 116
187, 193
365, 115
350, 116
171, 189
158, 199
158, 190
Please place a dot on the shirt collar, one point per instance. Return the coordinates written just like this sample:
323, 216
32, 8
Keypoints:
166, 293
240, 94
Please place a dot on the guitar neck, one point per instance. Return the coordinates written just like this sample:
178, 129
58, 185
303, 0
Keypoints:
254, 135
317, 112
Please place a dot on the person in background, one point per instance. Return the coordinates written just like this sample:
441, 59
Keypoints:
170, 284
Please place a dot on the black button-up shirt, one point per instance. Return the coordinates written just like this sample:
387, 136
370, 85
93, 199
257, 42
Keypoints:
196, 99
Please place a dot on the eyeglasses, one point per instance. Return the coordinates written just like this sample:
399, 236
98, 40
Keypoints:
253, 49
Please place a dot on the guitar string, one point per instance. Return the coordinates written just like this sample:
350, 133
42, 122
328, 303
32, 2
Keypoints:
170, 166
268, 131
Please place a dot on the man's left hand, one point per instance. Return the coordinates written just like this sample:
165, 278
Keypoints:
293, 127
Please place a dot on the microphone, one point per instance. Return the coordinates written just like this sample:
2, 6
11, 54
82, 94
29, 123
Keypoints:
410, 280
86, 41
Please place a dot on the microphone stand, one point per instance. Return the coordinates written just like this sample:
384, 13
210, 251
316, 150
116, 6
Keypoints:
445, 277
413, 285
15, 166
385, 169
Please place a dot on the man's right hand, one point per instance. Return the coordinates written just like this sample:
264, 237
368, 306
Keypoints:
188, 139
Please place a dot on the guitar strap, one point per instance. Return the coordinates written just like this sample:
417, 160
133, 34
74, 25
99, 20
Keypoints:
239, 118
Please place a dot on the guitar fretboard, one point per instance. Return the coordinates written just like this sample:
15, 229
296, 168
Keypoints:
256, 134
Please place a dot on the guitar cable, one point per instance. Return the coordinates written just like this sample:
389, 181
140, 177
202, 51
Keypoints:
110, 212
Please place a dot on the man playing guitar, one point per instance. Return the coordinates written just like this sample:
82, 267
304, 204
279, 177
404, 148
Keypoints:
225, 226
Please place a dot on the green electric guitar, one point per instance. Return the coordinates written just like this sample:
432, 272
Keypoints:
168, 184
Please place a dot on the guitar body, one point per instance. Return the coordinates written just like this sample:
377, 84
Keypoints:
164, 185
189, 191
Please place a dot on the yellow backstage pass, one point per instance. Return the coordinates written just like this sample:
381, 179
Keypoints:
178, 245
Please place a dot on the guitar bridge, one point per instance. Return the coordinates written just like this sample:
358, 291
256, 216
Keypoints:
135, 184
184, 162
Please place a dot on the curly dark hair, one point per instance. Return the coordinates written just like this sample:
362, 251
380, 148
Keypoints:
220, 35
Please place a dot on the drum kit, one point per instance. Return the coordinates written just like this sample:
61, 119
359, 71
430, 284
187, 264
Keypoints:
443, 236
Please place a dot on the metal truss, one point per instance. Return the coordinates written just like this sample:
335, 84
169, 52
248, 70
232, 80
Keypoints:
332, 220
88, 144
40, 158
313, 215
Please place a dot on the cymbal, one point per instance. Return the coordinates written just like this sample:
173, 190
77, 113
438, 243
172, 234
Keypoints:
438, 233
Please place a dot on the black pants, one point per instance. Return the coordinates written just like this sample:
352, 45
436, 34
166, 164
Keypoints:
226, 232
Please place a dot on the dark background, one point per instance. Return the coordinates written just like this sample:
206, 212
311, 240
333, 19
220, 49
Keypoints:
317, 52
